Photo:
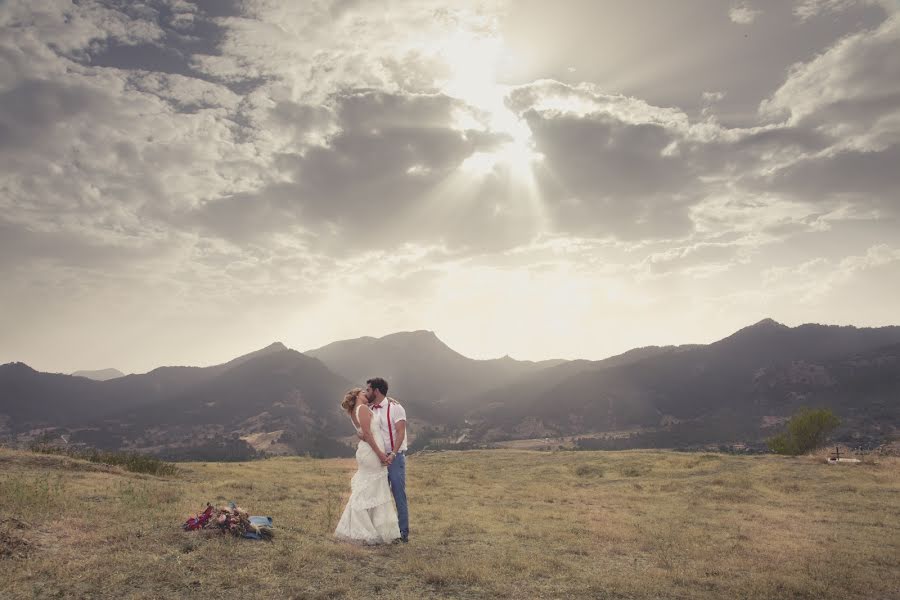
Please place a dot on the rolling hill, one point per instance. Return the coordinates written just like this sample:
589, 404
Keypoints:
183, 411
715, 391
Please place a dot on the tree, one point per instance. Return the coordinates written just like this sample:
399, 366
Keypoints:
807, 430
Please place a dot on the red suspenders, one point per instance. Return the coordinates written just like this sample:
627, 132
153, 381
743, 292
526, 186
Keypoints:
390, 428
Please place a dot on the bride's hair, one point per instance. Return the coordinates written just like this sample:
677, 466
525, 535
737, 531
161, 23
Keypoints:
350, 399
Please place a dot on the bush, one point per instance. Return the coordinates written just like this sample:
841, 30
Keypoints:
589, 471
806, 431
130, 461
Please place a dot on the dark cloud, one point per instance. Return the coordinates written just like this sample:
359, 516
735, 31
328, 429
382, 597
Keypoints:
388, 154
604, 176
219, 8
248, 217
31, 111
302, 120
865, 179
22, 247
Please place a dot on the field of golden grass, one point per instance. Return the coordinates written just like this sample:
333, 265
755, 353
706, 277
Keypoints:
484, 524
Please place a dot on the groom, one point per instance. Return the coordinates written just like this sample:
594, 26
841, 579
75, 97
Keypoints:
390, 420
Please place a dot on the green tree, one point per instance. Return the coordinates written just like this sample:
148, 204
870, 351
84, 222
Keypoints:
807, 430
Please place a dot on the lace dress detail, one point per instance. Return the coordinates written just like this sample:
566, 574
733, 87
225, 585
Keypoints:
370, 516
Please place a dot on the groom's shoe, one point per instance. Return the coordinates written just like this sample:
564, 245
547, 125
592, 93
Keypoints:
404, 539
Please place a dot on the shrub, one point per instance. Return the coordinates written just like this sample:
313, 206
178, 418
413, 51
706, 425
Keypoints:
130, 461
806, 431
589, 471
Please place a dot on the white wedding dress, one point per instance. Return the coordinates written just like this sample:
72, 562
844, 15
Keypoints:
370, 516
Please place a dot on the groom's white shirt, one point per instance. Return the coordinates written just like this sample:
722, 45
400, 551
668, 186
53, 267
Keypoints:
398, 413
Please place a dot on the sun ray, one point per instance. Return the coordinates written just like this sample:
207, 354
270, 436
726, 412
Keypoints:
472, 62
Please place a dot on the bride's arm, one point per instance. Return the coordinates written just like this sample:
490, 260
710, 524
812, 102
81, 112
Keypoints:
365, 423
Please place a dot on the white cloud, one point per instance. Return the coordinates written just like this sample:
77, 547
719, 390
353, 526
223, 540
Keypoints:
851, 92
813, 281
743, 14
807, 9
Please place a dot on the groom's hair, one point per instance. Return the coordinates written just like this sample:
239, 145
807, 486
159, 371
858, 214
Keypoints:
379, 384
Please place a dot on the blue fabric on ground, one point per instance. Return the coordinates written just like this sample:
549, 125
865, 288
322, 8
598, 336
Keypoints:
261, 522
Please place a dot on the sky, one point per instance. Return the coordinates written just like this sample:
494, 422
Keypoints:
182, 182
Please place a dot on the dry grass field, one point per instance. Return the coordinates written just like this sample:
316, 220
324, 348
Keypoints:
485, 524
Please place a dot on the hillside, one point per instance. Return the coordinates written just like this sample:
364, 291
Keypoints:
436, 382
710, 393
183, 412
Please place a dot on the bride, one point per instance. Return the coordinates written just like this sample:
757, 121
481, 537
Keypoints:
370, 516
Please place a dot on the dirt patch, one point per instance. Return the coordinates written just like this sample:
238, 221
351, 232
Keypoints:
13, 544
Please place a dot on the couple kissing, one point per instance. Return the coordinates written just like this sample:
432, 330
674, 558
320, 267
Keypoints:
377, 511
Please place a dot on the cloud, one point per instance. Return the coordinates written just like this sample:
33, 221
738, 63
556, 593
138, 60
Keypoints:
851, 92
743, 14
815, 280
866, 179
385, 156
713, 97
318, 49
74, 28
705, 255
808, 9
610, 163
615, 165
847, 100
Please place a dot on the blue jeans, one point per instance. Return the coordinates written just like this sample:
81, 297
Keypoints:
397, 479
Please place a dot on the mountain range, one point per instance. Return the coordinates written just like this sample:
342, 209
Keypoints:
100, 374
279, 400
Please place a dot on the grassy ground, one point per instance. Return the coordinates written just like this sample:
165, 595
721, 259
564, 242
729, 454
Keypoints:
485, 524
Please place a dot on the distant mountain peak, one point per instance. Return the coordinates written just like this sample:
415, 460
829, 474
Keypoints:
100, 374
421, 338
761, 327
758, 333
18, 366
770, 323
418, 333
273, 348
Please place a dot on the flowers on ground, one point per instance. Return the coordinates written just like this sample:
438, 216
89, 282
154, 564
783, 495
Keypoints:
231, 519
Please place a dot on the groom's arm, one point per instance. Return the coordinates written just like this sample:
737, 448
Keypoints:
400, 426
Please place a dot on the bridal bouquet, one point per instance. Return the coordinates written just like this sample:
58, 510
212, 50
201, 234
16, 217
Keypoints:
231, 519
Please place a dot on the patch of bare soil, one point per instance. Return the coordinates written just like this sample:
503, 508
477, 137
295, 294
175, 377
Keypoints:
13, 543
